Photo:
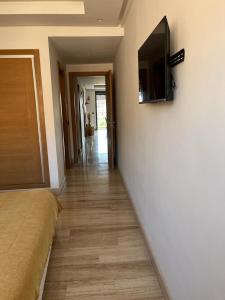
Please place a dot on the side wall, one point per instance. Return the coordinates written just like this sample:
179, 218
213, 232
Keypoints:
26, 38
172, 156
54, 61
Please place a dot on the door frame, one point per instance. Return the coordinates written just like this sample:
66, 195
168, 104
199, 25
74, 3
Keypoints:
37, 70
109, 91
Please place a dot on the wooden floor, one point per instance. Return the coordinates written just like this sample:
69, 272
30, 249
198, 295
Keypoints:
99, 251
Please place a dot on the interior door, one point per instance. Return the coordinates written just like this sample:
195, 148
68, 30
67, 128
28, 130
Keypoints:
23, 152
111, 126
73, 96
78, 99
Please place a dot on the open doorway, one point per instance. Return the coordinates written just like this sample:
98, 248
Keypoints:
101, 110
94, 126
93, 122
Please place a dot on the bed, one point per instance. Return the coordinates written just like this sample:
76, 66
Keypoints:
27, 227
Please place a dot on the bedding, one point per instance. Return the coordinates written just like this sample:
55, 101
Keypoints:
27, 226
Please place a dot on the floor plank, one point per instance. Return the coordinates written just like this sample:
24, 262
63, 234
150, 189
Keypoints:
99, 251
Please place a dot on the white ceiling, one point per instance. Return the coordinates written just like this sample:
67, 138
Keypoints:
86, 50
90, 81
111, 11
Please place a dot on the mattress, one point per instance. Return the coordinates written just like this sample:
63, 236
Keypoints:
27, 227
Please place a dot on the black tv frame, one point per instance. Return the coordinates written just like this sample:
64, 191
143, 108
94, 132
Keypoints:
170, 62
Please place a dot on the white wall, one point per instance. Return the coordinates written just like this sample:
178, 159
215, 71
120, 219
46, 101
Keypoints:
35, 37
27, 38
55, 59
172, 156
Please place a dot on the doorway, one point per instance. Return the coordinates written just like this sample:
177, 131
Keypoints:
101, 109
93, 104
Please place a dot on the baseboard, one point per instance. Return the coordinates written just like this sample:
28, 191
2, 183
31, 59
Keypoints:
58, 191
148, 246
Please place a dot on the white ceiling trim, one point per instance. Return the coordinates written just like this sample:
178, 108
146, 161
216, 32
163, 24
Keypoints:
42, 8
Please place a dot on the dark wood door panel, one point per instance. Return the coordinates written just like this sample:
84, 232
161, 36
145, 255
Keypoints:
110, 120
22, 155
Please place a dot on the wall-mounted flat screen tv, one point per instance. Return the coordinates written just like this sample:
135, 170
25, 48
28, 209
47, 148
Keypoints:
155, 79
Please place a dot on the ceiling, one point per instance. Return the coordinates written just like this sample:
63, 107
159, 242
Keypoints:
86, 50
97, 13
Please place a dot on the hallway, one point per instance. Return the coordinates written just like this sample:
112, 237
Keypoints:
96, 151
99, 251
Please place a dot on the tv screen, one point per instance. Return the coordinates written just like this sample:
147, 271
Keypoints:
154, 70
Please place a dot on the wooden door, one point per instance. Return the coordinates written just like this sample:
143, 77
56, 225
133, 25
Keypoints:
111, 126
78, 98
65, 119
23, 151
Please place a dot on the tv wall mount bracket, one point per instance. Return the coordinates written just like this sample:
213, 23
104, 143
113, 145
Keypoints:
177, 58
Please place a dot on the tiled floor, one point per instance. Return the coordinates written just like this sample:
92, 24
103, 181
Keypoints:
96, 151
